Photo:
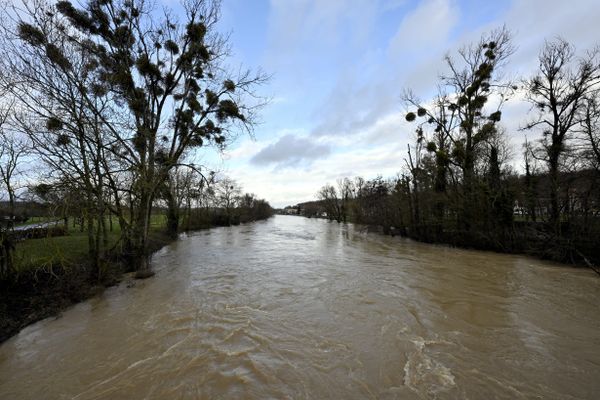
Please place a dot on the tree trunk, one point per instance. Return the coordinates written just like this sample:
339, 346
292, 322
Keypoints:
139, 239
410, 206
11, 200
468, 202
554, 191
92, 249
531, 195
440, 190
172, 215
416, 204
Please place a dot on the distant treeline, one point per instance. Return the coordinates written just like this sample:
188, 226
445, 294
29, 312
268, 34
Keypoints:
200, 204
457, 185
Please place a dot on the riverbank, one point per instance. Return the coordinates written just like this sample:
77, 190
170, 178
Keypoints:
524, 238
44, 290
534, 239
55, 274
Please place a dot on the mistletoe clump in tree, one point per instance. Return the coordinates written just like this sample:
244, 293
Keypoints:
167, 83
461, 116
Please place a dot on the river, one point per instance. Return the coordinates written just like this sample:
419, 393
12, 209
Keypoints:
295, 308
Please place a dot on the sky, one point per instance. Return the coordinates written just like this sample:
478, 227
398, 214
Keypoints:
339, 68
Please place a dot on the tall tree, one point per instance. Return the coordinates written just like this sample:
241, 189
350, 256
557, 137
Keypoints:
228, 195
589, 131
179, 188
463, 117
345, 189
557, 92
164, 79
530, 181
13, 150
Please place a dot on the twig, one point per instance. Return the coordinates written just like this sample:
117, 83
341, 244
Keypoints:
589, 264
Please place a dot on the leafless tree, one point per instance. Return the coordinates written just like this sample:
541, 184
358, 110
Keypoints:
558, 92
465, 113
228, 193
589, 131
345, 189
328, 194
13, 150
146, 87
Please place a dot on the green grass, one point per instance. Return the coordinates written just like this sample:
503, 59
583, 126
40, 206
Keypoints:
49, 251
67, 250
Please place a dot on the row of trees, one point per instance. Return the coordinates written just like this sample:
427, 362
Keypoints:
458, 184
115, 98
194, 202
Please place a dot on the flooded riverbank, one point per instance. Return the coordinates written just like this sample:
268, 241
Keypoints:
303, 308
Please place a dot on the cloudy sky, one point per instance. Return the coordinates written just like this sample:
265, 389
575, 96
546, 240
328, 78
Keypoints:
339, 69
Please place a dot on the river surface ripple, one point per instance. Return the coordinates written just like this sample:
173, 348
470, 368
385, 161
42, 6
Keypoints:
295, 308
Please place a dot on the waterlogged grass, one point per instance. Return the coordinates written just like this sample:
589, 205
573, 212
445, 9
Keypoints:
70, 249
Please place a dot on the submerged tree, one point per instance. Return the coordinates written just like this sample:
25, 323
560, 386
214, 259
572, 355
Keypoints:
530, 181
345, 189
182, 186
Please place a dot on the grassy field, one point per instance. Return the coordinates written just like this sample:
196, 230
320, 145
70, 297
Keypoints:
42, 290
68, 249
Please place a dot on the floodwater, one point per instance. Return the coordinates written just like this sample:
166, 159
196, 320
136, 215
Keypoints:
295, 308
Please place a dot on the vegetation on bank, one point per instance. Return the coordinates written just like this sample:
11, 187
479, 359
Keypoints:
458, 185
54, 272
105, 108
112, 101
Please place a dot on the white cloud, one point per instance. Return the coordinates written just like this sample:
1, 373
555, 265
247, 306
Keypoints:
243, 151
424, 29
372, 151
290, 151
361, 116
357, 101
299, 28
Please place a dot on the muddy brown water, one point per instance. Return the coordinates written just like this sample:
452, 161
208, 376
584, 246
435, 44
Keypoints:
295, 308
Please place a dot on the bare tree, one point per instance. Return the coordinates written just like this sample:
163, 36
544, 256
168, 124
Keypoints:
462, 116
181, 187
155, 87
228, 194
13, 149
345, 189
589, 132
558, 92
10, 153
530, 181
332, 203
